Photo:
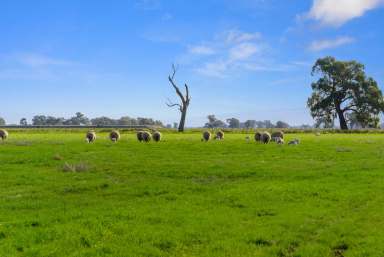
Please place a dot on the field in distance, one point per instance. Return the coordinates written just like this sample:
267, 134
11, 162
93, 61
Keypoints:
60, 196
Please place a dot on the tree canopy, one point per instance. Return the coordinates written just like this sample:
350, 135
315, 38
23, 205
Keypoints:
342, 89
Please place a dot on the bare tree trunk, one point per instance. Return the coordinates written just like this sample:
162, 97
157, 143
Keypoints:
184, 99
342, 120
182, 120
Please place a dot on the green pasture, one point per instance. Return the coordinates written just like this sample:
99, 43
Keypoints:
60, 196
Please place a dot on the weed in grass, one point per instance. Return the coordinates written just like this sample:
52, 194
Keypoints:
58, 157
165, 245
260, 242
338, 250
289, 251
78, 167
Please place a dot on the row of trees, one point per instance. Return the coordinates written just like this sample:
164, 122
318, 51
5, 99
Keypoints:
81, 119
213, 122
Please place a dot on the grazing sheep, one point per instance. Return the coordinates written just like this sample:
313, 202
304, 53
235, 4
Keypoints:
206, 136
114, 136
265, 137
317, 134
90, 136
156, 136
219, 135
258, 136
280, 141
147, 136
294, 142
140, 136
277, 134
248, 139
3, 134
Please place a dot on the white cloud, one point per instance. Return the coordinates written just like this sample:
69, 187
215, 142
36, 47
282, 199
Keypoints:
330, 43
338, 12
228, 51
214, 69
243, 51
237, 36
201, 50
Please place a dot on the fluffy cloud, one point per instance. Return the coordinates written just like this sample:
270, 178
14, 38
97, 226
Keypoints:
330, 43
230, 50
201, 50
338, 12
243, 51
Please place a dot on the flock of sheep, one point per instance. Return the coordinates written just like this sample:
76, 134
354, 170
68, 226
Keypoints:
145, 136
264, 137
114, 136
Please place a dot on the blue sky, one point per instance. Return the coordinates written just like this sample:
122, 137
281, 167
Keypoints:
249, 59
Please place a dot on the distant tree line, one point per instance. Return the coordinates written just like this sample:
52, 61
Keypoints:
213, 122
81, 120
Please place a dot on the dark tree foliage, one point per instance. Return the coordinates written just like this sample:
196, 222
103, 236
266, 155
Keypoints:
282, 124
23, 122
81, 119
233, 123
343, 88
213, 122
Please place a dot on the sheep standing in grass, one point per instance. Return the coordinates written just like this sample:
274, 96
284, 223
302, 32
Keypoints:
156, 136
219, 135
206, 136
258, 136
147, 136
276, 135
265, 137
279, 141
90, 136
114, 136
3, 134
248, 139
140, 136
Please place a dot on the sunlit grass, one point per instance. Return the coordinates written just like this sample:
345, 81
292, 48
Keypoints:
183, 197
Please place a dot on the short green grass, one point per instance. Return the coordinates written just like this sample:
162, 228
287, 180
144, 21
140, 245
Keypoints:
60, 196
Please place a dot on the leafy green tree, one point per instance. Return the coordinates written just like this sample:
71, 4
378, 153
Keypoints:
233, 123
78, 119
344, 88
23, 122
282, 124
128, 121
213, 122
250, 124
2, 122
39, 120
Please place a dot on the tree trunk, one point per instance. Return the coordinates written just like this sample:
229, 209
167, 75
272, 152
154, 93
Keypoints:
343, 122
182, 119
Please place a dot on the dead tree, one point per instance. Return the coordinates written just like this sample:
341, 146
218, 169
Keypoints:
184, 99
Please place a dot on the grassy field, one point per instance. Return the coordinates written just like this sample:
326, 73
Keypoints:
182, 197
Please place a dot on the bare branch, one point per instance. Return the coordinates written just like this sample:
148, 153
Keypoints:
171, 104
178, 92
174, 69
187, 93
